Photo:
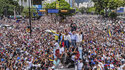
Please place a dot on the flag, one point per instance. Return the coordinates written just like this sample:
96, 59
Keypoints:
109, 33
0, 34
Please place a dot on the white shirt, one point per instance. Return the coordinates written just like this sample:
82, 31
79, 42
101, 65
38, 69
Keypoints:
79, 38
111, 66
101, 64
61, 50
80, 65
67, 37
30, 63
94, 68
57, 45
121, 67
36, 65
73, 57
7, 69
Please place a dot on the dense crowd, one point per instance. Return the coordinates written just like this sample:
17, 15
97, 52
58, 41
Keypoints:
84, 43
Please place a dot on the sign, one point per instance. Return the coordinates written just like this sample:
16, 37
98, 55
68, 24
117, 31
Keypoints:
38, 8
40, 14
64, 11
121, 10
42, 10
53, 10
57, 4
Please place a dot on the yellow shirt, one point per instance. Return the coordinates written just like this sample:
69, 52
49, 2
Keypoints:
56, 37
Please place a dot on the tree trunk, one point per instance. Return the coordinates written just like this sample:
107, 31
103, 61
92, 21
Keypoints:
14, 13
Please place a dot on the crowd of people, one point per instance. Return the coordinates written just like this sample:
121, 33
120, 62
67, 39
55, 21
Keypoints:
84, 43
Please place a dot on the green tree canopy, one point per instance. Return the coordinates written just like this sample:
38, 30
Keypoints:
9, 6
63, 5
83, 9
107, 4
114, 4
91, 9
25, 12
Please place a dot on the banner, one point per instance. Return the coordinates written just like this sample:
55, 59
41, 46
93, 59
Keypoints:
53, 10
38, 8
120, 10
109, 33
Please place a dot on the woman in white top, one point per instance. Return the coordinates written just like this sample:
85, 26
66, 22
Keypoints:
67, 40
79, 38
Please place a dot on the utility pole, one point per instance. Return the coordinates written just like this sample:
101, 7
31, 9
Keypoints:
30, 18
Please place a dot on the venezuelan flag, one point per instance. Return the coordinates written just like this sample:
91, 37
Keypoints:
109, 33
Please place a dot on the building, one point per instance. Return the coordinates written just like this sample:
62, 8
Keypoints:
86, 4
24, 3
49, 1
71, 2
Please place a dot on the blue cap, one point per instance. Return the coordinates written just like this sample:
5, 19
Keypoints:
2, 59
18, 58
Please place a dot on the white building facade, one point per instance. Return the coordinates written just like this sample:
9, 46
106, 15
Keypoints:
71, 2
86, 4
24, 3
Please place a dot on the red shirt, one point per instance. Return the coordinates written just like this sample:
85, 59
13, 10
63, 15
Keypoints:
77, 55
57, 53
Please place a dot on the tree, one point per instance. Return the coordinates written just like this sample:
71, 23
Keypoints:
114, 4
9, 6
63, 5
91, 10
100, 5
22, 2
83, 9
25, 12
113, 15
107, 4
123, 4
2, 5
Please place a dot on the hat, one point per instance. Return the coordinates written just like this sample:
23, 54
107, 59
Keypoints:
2, 59
18, 58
